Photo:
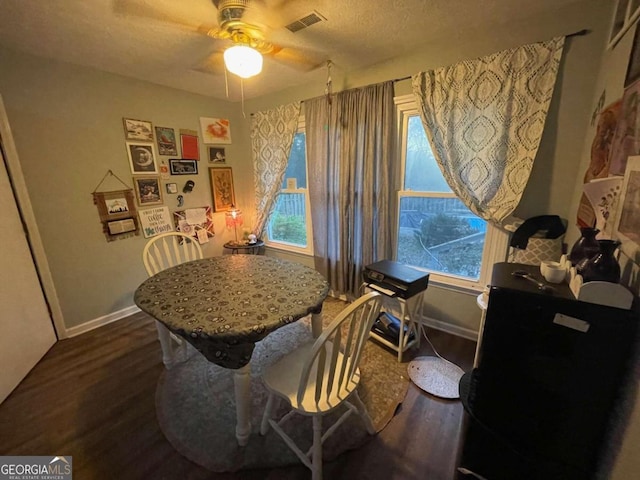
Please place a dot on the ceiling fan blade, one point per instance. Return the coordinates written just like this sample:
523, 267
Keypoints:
149, 10
302, 60
212, 65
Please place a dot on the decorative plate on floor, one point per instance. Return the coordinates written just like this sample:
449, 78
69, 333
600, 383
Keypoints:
436, 376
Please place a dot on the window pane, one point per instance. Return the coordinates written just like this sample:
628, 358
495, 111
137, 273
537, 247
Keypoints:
422, 173
287, 222
441, 235
296, 168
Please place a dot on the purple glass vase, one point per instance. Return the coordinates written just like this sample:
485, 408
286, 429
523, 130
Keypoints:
585, 247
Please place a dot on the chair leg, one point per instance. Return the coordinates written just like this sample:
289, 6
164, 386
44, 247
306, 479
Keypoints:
362, 410
316, 462
264, 426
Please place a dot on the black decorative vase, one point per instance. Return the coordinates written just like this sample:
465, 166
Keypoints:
585, 247
603, 266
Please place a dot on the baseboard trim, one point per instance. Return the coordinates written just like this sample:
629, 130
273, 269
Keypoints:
463, 332
100, 321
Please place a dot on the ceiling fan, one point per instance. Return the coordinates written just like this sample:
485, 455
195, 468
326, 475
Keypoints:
242, 29
244, 57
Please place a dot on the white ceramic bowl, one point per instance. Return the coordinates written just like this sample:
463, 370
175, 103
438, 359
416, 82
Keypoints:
553, 272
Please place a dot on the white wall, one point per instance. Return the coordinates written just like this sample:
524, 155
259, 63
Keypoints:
68, 129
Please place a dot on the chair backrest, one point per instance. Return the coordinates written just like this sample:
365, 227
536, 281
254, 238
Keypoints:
169, 249
347, 334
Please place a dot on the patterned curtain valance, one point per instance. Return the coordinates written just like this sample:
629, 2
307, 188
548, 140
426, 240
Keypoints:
272, 133
484, 119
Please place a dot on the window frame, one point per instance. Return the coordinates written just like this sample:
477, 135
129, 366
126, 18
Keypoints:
286, 246
496, 240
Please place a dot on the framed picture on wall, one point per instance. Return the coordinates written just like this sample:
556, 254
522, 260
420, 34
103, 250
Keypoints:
217, 155
142, 158
148, 191
625, 14
633, 67
222, 188
140, 130
215, 130
166, 139
189, 144
183, 166
628, 214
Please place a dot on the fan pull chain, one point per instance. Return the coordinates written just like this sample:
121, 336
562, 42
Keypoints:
226, 83
327, 90
242, 97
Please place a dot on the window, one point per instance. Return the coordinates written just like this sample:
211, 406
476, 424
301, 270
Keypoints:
436, 231
289, 226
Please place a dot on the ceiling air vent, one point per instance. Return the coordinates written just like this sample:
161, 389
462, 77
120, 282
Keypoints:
304, 22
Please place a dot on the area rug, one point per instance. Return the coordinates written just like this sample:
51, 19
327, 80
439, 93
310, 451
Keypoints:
196, 407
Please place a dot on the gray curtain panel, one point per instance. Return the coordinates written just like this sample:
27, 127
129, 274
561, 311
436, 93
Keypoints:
484, 119
351, 178
272, 133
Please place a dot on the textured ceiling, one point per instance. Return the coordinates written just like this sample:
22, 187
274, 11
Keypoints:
161, 41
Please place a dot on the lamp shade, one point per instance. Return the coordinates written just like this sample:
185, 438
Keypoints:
243, 61
233, 219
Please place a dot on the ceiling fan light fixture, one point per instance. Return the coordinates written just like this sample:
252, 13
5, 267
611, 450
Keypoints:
243, 61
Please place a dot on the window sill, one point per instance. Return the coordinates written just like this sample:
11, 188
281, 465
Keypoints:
288, 249
467, 290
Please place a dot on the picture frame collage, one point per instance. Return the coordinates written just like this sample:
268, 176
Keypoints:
146, 144
216, 133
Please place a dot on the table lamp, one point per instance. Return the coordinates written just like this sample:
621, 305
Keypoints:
233, 219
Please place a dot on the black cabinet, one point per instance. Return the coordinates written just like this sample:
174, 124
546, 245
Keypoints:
550, 372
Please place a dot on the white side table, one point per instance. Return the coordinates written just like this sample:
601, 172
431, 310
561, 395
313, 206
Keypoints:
482, 302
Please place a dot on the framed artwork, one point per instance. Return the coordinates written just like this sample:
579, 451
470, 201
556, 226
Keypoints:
166, 140
217, 155
633, 67
139, 130
603, 195
628, 215
183, 166
189, 144
142, 159
625, 14
215, 130
222, 188
117, 212
626, 139
148, 190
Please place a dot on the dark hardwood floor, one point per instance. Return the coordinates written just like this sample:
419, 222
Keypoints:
92, 397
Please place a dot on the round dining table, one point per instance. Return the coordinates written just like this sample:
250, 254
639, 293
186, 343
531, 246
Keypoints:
224, 305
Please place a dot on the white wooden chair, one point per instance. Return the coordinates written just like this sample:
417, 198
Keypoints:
320, 376
160, 253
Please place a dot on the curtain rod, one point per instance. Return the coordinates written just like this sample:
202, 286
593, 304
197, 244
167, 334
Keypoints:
578, 33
